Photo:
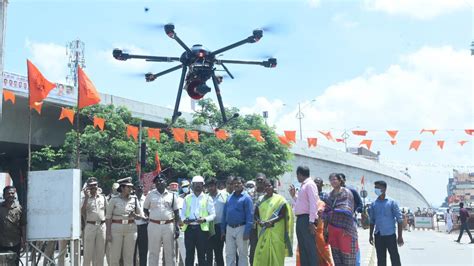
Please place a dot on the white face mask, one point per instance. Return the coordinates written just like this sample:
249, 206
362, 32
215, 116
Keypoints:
251, 190
378, 191
185, 190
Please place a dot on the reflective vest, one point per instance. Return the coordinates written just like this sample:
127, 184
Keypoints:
202, 211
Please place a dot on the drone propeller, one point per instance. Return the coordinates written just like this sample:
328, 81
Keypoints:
273, 28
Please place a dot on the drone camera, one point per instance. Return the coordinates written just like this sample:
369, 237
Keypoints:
197, 89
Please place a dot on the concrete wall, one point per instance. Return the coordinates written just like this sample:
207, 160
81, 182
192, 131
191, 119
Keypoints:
323, 161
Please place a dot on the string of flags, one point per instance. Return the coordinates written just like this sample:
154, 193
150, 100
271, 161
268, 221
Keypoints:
39, 88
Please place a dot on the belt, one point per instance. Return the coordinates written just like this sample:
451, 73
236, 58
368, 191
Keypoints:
96, 222
123, 221
303, 214
161, 222
236, 225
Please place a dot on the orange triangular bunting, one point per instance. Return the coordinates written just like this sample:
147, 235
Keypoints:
132, 131
440, 144
99, 122
367, 143
469, 131
340, 140
154, 133
67, 113
328, 135
415, 145
290, 135
8, 96
312, 142
392, 133
88, 94
39, 86
37, 106
284, 141
393, 142
257, 134
359, 132
462, 142
221, 134
192, 136
432, 131
179, 135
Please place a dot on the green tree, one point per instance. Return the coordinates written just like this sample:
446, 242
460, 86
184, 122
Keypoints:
111, 154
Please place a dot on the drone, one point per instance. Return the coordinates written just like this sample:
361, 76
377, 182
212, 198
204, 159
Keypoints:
198, 65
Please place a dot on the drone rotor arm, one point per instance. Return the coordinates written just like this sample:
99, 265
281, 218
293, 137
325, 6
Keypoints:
151, 77
272, 62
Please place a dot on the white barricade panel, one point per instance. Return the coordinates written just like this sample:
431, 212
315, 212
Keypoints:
53, 210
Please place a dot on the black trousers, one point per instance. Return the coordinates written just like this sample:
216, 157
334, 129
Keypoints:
16, 249
382, 243
464, 227
195, 238
216, 247
253, 243
141, 245
306, 243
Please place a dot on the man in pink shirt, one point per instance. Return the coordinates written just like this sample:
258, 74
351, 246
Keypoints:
306, 212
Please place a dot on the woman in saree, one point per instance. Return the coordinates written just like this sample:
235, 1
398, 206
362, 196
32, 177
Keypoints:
274, 217
340, 227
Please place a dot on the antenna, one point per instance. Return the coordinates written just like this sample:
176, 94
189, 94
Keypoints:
75, 52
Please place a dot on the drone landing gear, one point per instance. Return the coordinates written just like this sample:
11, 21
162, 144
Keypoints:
176, 113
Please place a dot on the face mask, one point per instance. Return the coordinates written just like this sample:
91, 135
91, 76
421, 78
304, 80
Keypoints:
251, 190
185, 190
378, 191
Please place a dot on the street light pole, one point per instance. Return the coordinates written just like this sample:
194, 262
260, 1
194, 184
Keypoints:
300, 116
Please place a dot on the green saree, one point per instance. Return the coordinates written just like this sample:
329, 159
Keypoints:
274, 243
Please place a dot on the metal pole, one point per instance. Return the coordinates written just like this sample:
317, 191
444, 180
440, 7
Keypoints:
140, 150
78, 142
300, 117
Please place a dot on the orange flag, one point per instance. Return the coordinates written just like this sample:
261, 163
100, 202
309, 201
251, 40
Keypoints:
88, 95
37, 106
432, 131
440, 144
290, 135
462, 142
362, 181
393, 142
257, 134
154, 133
284, 140
221, 134
415, 145
132, 131
138, 168
39, 86
99, 122
8, 96
366, 142
67, 113
340, 140
469, 131
179, 135
158, 163
328, 135
312, 142
192, 135
359, 132
392, 133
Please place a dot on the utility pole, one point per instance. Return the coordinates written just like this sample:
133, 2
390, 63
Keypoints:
3, 27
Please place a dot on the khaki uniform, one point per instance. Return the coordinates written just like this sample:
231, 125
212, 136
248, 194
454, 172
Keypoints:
123, 229
94, 231
161, 226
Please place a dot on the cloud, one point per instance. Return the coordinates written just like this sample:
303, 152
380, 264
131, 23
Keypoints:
314, 3
274, 108
50, 58
419, 9
342, 20
430, 88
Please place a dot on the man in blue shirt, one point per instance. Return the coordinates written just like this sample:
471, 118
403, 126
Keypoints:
384, 213
236, 224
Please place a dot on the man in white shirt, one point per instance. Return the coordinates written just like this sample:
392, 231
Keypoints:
141, 247
198, 211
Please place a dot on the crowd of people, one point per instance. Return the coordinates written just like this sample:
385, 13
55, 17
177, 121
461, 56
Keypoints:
197, 219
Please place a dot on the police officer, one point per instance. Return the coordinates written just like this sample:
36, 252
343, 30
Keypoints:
198, 211
121, 228
161, 207
93, 212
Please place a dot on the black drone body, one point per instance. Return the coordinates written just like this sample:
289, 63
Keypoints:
198, 65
